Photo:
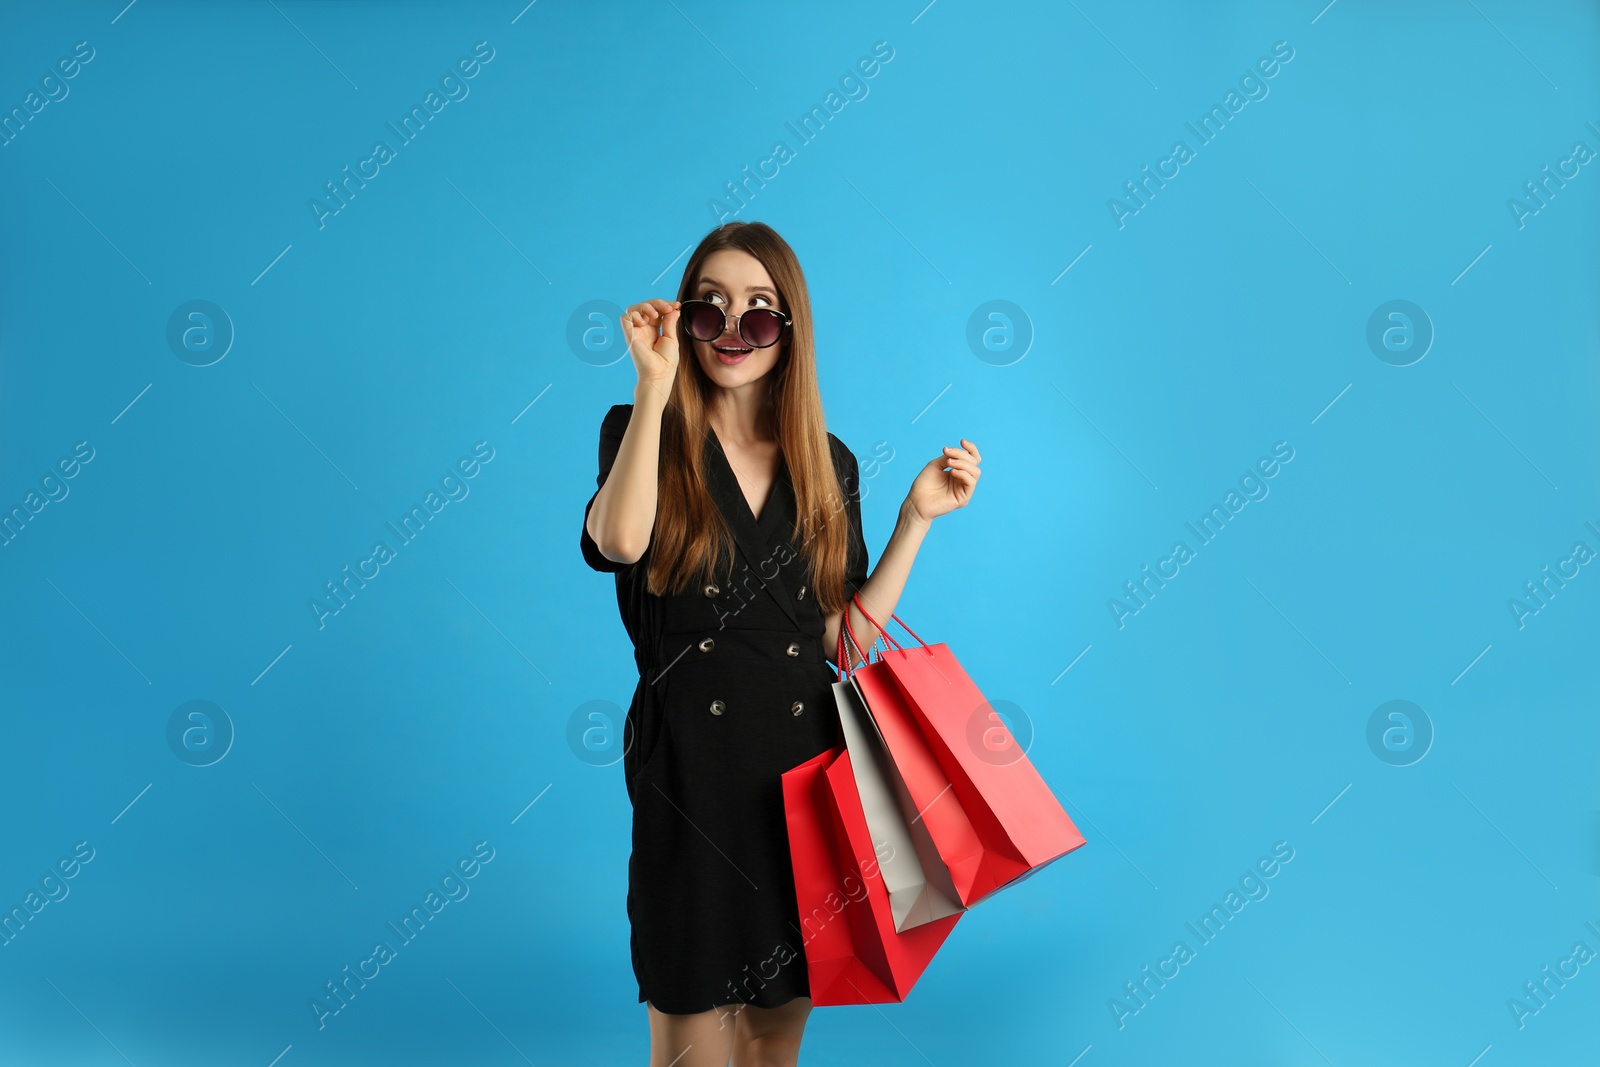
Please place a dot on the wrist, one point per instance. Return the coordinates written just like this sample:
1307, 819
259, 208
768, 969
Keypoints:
653, 395
910, 520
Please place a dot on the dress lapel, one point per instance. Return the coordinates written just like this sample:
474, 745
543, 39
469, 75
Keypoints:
752, 536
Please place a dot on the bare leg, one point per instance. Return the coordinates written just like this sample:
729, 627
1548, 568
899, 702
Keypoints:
704, 1039
770, 1037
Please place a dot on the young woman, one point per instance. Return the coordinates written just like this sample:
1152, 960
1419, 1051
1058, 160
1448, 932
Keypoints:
731, 519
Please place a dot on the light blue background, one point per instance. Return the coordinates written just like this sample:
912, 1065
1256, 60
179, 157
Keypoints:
431, 313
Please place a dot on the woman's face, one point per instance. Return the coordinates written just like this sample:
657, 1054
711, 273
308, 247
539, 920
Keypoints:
735, 281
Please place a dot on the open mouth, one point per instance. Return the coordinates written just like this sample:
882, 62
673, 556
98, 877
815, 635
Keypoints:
731, 353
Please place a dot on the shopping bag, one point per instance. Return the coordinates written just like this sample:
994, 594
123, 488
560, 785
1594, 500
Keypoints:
992, 817
960, 848
914, 875
853, 953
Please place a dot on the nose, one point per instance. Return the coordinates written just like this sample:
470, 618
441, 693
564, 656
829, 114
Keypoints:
730, 329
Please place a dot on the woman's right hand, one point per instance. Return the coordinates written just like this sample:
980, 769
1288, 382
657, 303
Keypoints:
651, 327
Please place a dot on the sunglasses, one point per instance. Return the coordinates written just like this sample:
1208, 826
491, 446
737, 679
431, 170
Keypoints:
758, 327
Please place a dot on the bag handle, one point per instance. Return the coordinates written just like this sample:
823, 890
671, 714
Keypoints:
856, 599
841, 663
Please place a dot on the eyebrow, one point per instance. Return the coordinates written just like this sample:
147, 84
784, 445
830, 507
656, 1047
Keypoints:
753, 290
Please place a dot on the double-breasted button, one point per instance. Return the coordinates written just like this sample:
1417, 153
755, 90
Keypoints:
717, 706
797, 708
801, 595
793, 649
711, 589
705, 644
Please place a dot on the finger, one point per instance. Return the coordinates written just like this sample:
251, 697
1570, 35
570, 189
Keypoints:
973, 449
961, 465
662, 305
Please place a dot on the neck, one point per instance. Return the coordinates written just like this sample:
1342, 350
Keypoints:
744, 415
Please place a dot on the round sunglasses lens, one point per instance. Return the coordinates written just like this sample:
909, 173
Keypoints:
703, 321
760, 327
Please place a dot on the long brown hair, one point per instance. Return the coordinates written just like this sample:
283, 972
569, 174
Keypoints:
691, 538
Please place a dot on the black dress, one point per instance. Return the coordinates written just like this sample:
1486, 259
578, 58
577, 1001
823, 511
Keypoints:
734, 689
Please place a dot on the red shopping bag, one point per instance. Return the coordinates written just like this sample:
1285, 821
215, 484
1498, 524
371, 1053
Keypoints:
992, 817
853, 953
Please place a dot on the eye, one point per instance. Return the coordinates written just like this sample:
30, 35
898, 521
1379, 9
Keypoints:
762, 296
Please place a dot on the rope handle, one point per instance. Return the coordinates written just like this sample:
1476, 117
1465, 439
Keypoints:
856, 599
883, 634
839, 659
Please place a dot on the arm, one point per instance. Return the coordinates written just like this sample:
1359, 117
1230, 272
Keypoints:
623, 516
935, 491
881, 592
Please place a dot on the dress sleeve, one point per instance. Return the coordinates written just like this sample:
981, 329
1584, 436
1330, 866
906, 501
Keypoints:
612, 428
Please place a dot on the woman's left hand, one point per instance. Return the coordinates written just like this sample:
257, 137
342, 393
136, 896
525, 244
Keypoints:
937, 491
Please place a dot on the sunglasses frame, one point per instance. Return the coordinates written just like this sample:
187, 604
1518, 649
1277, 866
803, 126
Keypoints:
787, 322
